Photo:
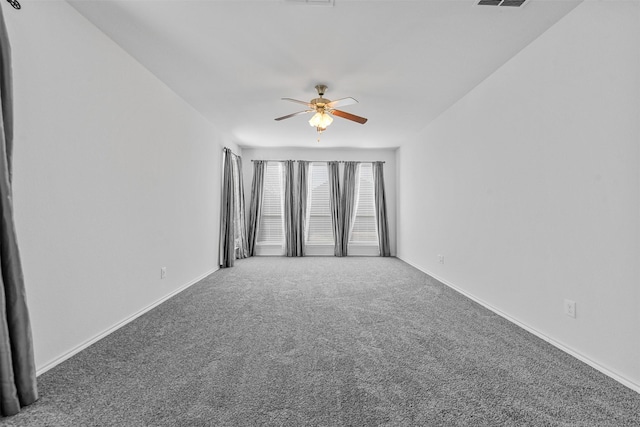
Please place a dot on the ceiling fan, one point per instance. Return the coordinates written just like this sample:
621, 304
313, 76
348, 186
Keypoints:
324, 109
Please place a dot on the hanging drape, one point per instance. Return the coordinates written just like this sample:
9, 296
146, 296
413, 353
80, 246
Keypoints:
290, 215
18, 386
227, 230
302, 202
349, 192
239, 222
255, 206
381, 209
335, 203
233, 227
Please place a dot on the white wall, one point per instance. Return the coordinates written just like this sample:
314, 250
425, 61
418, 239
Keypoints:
327, 154
529, 186
114, 178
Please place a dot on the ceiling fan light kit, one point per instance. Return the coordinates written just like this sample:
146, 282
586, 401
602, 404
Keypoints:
324, 109
321, 120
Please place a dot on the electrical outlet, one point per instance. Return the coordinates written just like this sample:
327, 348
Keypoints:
570, 308
441, 259
163, 272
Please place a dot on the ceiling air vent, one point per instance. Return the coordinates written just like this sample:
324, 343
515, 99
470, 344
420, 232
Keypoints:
312, 2
508, 3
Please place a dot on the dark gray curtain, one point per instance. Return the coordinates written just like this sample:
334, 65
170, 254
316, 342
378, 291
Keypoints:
18, 386
336, 205
349, 193
301, 222
381, 209
290, 229
227, 230
239, 222
255, 206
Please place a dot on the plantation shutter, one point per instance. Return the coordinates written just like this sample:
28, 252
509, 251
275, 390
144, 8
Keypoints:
319, 226
271, 227
364, 231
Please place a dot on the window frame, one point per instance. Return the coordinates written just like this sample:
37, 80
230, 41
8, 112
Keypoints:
364, 210
271, 247
318, 248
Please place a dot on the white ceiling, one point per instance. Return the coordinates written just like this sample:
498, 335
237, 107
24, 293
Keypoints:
404, 61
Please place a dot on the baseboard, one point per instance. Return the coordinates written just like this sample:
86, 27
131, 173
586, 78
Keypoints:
608, 372
41, 370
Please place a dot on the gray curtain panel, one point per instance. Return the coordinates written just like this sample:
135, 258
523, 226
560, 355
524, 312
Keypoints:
381, 209
227, 230
255, 206
336, 205
18, 386
349, 193
239, 223
290, 234
301, 222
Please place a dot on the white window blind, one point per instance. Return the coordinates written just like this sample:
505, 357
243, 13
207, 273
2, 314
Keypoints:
319, 226
364, 231
271, 226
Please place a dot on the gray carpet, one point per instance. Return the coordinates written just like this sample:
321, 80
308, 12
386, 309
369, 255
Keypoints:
325, 342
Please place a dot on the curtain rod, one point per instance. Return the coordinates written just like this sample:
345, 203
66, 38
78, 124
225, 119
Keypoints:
231, 151
319, 161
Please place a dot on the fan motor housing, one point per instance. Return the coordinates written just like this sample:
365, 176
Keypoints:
319, 102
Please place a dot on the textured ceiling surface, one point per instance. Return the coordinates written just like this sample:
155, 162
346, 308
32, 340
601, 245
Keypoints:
404, 61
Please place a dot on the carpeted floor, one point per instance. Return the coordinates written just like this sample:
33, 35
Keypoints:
325, 342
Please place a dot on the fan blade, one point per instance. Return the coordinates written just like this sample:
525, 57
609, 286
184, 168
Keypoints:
294, 114
349, 116
298, 102
341, 102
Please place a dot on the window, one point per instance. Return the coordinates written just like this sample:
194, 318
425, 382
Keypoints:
363, 239
270, 240
238, 215
319, 237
